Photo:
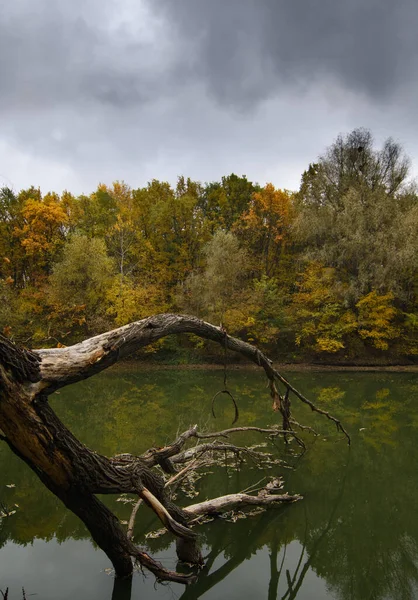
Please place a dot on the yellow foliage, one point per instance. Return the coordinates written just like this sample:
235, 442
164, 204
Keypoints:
383, 393
330, 394
41, 232
130, 301
319, 312
325, 344
375, 316
235, 319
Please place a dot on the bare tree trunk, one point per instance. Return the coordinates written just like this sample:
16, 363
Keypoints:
73, 472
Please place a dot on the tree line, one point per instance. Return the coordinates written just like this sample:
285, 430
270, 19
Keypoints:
329, 272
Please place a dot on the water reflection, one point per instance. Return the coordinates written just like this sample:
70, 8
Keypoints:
354, 535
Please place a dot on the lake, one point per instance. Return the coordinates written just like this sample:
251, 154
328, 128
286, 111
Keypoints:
353, 536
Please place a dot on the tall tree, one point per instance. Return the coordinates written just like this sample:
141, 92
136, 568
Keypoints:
172, 228
42, 232
352, 161
265, 227
213, 290
95, 214
13, 257
122, 234
224, 202
79, 283
353, 209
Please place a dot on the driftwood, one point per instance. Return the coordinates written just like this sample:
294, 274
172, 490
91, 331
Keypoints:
232, 501
61, 366
76, 474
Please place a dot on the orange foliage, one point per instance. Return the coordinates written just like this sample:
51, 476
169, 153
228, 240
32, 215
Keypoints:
43, 230
265, 226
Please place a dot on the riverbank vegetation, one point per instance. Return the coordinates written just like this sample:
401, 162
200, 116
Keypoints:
328, 273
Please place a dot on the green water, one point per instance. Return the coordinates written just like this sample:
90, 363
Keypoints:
353, 536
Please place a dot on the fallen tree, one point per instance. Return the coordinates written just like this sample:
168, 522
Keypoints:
76, 474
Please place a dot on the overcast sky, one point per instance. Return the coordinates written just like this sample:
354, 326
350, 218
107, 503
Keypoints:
97, 90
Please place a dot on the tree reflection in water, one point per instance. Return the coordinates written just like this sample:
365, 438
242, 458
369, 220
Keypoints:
356, 529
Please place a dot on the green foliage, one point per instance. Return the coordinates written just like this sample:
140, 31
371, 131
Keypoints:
356, 213
331, 270
266, 314
80, 281
223, 203
213, 292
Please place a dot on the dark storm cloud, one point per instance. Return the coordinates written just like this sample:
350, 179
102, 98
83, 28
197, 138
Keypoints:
245, 49
52, 54
98, 90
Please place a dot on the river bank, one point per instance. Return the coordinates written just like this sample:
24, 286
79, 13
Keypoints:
130, 364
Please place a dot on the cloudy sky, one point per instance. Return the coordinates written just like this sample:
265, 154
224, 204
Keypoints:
97, 90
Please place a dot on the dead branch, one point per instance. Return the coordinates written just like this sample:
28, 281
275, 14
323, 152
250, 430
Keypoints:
312, 406
131, 523
157, 569
193, 466
228, 393
232, 501
271, 431
304, 427
61, 366
219, 447
164, 516
266, 496
154, 456
75, 474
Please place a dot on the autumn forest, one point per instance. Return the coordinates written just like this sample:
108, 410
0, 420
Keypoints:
326, 273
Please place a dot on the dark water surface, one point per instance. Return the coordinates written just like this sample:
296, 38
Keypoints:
354, 536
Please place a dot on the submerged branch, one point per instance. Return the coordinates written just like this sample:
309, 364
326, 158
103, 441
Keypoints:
232, 501
157, 569
131, 523
200, 449
271, 431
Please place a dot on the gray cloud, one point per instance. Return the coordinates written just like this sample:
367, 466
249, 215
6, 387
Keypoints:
244, 50
50, 55
97, 90
247, 49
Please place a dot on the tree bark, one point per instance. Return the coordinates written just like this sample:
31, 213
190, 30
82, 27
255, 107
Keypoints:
73, 472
